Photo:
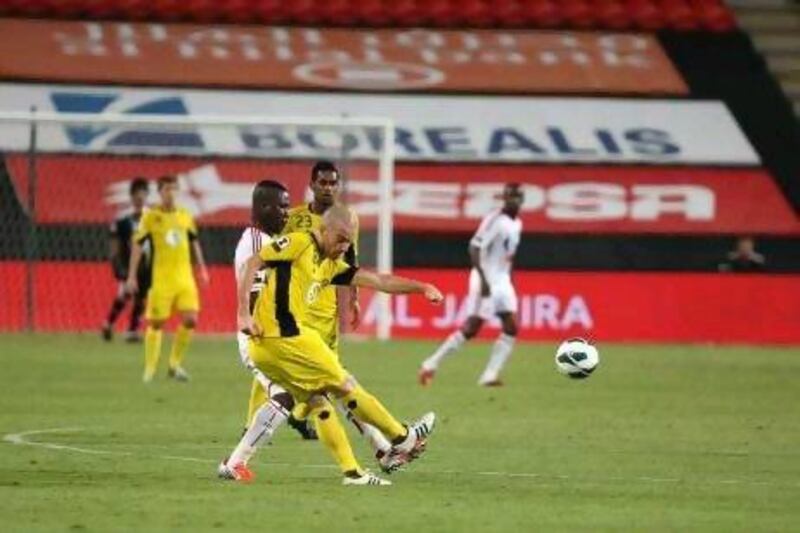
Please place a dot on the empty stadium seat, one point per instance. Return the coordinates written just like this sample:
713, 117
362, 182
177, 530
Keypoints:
708, 15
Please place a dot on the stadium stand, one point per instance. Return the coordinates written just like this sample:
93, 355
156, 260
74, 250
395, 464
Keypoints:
711, 15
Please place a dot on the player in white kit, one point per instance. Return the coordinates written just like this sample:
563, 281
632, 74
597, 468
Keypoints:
491, 292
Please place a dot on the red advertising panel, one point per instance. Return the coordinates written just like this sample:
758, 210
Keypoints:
371, 60
443, 198
653, 307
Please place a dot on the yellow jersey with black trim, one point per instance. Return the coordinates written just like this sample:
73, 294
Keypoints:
301, 218
297, 275
169, 234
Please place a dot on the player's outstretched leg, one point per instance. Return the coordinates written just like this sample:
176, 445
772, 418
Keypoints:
332, 435
501, 351
387, 461
405, 440
427, 370
265, 422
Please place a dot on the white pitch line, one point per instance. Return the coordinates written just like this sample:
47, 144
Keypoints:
21, 439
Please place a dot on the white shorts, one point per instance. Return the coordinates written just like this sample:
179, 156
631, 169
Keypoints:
270, 386
503, 297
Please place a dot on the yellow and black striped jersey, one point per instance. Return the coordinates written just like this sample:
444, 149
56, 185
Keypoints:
297, 275
301, 218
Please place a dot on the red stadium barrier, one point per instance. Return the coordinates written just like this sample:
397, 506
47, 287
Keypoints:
651, 307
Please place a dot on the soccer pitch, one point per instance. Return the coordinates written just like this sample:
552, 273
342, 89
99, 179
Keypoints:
660, 438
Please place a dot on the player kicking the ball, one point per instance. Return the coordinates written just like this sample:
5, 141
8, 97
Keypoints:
491, 292
293, 355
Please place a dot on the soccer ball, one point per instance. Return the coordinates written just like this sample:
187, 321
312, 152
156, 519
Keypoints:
576, 358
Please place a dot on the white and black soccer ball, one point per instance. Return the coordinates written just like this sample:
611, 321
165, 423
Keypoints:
576, 358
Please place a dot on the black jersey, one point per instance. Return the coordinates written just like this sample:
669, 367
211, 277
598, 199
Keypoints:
123, 229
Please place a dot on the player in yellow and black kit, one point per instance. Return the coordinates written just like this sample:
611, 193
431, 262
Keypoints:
287, 349
325, 185
172, 234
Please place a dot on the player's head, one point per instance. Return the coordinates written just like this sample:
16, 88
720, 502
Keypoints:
325, 183
337, 230
139, 189
512, 198
270, 206
167, 189
746, 245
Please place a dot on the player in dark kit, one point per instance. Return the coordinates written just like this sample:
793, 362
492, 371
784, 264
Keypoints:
122, 231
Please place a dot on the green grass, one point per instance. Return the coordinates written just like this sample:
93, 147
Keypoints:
660, 438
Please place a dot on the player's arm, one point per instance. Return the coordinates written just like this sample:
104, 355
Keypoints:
199, 258
352, 258
480, 241
115, 252
141, 235
388, 283
244, 318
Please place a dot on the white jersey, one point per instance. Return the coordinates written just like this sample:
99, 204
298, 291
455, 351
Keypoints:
250, 244
497, 238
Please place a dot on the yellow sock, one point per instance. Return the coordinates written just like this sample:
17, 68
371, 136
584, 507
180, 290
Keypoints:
368, 409
258, 397
179, 345
152, 351
332, 434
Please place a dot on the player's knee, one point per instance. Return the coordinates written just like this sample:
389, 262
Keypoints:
509, 325
284, 399
345, 387
156, 324
471, 327
190, 322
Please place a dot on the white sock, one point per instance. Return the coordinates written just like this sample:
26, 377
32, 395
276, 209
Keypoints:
501, 350
266, 421
450, 345
373, 435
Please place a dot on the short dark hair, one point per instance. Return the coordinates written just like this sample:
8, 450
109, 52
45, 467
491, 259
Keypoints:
139, 184
270, 184
323, 166
167, 179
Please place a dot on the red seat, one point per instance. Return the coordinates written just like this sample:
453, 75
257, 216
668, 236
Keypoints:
406, 13
510, 14
645, 14
612, 14
440, 13
678, 14
476, 13
269, 12
578, 13
543, 13
303, 12
339, 12
372, 13
713, 15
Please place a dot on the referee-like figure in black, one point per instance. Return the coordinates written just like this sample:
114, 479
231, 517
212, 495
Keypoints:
122, 231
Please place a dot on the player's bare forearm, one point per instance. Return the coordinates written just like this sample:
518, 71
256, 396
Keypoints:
475, 258
133, 265
391, 284
200, 261
245, 283
114, 248
136, 257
